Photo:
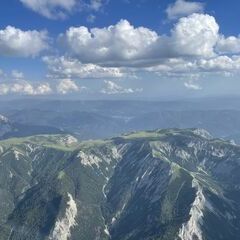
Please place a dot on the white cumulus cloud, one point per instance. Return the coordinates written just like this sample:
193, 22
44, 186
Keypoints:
124, 45
23, 87
17, 74
67, 86
112, 88
52, 9
229, 45
192, 85
113, 45
195, 35
64, 67
18, 43
183, 8
96, 5
60, 9
43, 89
4, 89
220, 64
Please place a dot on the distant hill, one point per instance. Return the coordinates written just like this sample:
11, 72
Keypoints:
13, 129
99, 123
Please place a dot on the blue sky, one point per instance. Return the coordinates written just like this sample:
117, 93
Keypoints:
154, 49
148, 13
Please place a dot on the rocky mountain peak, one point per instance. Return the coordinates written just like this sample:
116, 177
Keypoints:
203, 133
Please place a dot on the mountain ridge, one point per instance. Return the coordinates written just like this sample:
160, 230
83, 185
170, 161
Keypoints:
163, 184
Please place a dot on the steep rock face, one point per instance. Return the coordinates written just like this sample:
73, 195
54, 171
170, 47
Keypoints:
159, 185
62, 228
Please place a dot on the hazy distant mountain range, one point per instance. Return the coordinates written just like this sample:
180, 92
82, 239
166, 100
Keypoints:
173, 184
106, 119
14, 129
